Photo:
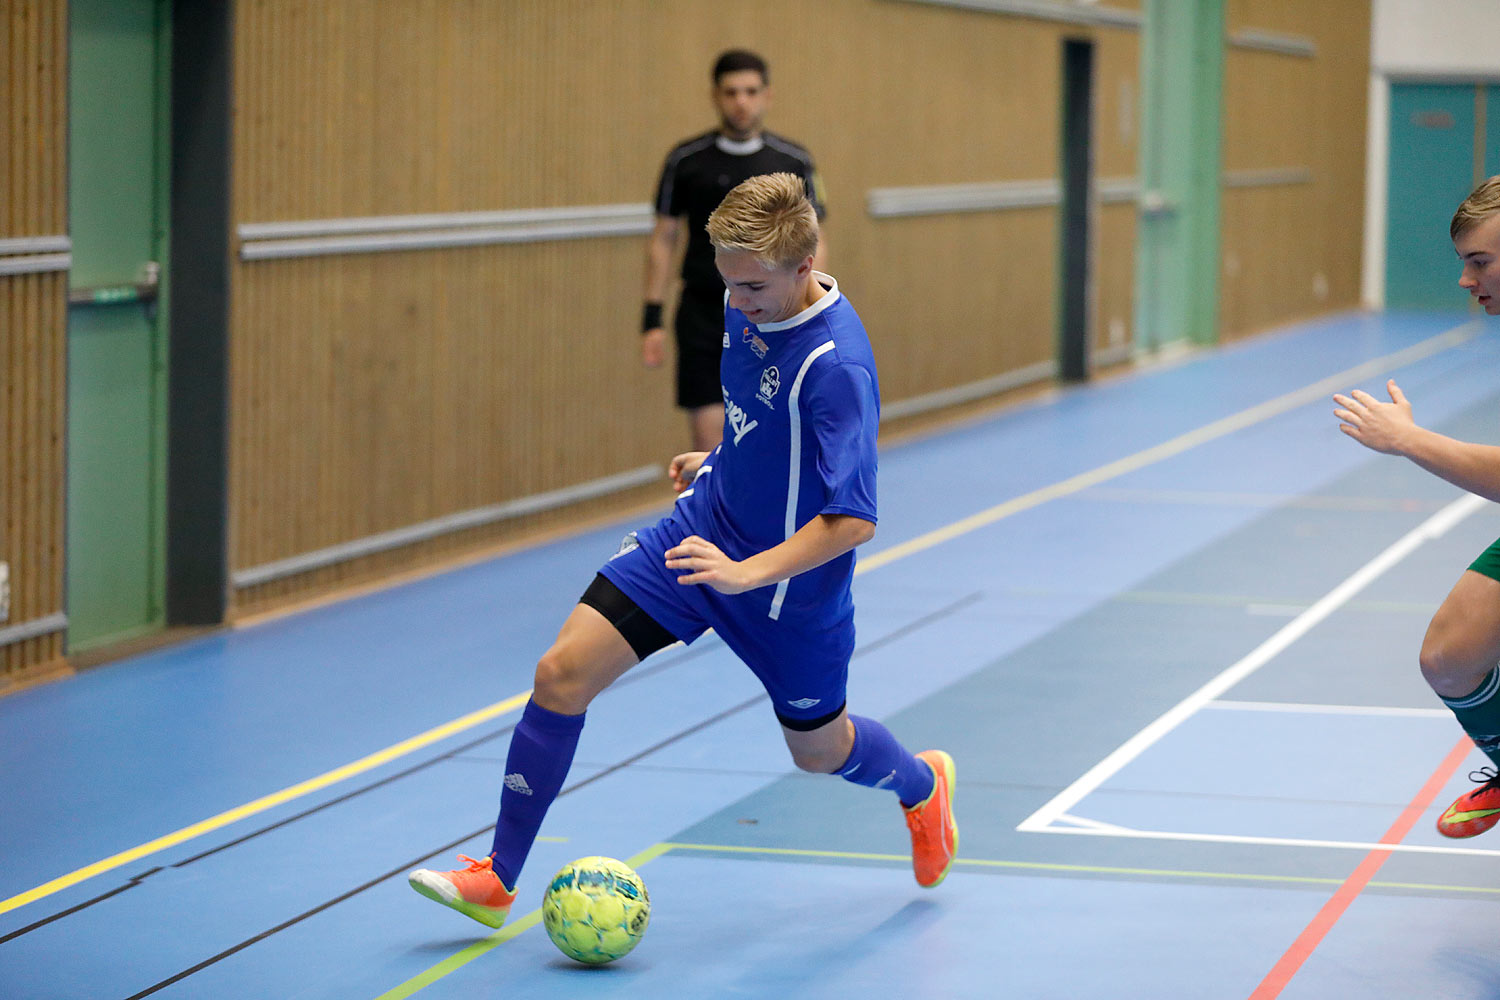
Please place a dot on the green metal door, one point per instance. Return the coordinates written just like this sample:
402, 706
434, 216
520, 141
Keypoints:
1432, 169
116, 350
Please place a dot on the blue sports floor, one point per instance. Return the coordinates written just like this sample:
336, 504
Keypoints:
1166, 624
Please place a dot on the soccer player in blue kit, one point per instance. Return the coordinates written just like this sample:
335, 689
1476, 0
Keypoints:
759, 547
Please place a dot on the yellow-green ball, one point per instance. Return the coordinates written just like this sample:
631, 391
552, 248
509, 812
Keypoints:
596, 909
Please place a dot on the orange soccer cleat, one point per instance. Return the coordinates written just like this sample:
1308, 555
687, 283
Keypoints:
475, 891
934, 831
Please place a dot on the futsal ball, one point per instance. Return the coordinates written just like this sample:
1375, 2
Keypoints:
596, 909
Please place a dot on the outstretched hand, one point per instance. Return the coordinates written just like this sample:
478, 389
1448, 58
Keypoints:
1379, 426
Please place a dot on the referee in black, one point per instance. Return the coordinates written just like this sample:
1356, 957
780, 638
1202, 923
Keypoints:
696, 177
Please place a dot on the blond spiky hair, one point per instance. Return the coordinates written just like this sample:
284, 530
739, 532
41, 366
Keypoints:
1482, 202
768, 216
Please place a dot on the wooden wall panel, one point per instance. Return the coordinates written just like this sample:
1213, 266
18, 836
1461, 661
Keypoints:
1292, 250
33, 323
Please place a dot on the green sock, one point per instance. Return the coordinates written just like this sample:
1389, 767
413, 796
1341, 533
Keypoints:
1479, 713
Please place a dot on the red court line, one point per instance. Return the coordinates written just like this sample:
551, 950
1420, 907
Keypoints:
1313, 934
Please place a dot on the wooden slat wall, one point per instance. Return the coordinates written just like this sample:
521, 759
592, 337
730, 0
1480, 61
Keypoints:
33, 325
376, 391
1292, 251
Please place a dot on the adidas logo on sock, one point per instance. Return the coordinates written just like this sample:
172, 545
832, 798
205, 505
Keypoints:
517, 783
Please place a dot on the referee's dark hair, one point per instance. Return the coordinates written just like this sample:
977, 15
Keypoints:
735, 60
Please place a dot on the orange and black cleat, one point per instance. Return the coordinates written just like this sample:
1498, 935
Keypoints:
1475, 811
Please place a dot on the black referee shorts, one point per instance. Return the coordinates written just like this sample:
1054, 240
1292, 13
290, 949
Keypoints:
700, 341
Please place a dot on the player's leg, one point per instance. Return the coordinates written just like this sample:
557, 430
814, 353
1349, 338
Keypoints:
1458, 660
706, 424
604, 636
864, 752
699, 326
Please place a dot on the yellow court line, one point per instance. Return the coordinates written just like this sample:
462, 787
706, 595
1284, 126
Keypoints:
265, 802
461, 958
1080, 869
1074, 484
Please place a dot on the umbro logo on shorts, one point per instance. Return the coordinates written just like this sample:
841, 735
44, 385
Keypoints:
804, 702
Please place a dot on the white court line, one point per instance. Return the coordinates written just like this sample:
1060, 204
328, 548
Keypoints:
1282, 706
1105, 830
1434, 527
1094, 824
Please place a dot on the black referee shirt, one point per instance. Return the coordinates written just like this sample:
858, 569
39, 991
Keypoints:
701, 171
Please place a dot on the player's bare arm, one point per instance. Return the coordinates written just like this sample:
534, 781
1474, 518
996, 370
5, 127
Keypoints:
1390, 429
684, 469
825, 537
661, 247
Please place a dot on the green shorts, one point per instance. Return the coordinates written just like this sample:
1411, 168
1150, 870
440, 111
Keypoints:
1488, 563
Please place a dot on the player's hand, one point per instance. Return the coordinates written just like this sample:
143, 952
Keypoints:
684, 469
1381, 427
701, 561
653, 347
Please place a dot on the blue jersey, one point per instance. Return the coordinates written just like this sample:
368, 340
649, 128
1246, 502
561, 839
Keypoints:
801, 412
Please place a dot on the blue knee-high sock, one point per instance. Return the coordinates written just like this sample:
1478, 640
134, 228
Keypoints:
878, 761
541, 751
1479, 713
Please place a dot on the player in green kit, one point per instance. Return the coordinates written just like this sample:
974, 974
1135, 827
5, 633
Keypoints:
1462, 645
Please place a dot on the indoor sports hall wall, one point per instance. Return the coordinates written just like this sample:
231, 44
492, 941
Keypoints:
437, 211
33, 326
1294, 160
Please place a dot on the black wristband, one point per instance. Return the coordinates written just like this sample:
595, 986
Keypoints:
651, 317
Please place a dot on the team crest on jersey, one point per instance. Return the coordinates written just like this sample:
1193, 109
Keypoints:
770, 384
756, 344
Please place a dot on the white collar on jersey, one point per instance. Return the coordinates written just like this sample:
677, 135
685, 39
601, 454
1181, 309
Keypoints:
830, 296
740, 147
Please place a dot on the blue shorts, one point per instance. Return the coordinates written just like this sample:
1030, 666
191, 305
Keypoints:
803, 665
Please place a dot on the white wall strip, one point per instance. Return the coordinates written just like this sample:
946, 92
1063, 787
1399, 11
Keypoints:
1077, 12
36, 263
1272, 41
33, 629
374, 234
969, 392
442, 526
35, 244
991, 196
1267, 177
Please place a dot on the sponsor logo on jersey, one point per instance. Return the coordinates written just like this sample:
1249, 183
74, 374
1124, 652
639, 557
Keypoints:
770, 384
739, 420
516, 782
804, 702
726, 340
756, 344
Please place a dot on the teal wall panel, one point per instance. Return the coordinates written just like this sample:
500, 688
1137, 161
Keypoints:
116, 406
1431, 170
1492, 129
1177, 240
